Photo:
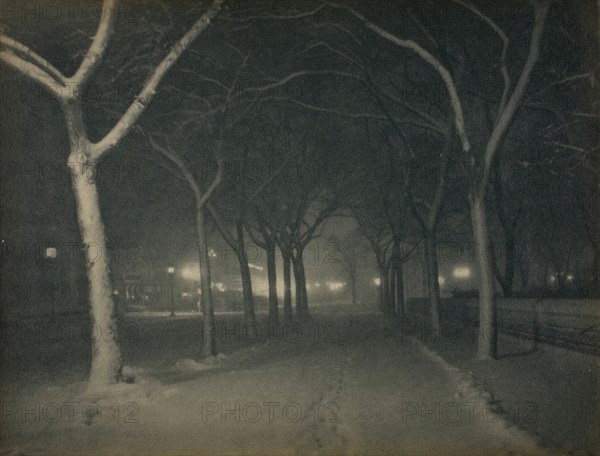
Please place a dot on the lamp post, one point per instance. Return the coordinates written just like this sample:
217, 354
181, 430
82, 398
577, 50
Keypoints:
171, 271
50, 254
120, 311
377, 282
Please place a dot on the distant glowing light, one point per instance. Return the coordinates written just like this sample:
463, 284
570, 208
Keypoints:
51, 253
461, 273
258, 268
218, 285
185, 295
191, 272
570, 277
212, 253
171, 270
441, 280
334, 286
377, 281
318, 284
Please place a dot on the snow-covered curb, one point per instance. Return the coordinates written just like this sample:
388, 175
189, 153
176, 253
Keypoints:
467, 389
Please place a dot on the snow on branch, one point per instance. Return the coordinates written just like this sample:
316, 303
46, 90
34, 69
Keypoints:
28, 55
94, 55
136, 109
506, 116
201, 198
214, 184
505, 42
442, 71
178, 161
32, 71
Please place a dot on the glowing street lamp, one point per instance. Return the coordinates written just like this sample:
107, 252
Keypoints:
191, 272
171, 271
115, 294
461, 272
334, 286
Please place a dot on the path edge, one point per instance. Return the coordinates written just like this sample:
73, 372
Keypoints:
470, 390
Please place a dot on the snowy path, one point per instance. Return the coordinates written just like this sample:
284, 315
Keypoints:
354, 388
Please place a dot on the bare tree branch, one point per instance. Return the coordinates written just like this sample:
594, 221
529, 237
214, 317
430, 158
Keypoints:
506, 116
149, 90
443, 72
214, 184
33, 71
94, 55
34, 58
178, 161
222, 228
505, 42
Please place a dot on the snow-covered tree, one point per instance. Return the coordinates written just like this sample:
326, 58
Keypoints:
84, 155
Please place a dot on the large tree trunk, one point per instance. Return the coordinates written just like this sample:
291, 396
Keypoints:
506, 279
400, 288
208, 323
352, 279
272, 276
596, 274
297, 287
487, 340
382, 284
392, 290
287, 286
509, 269
385, 287
524, 275
106, 364
397, 280
249, 315
305, 312
106, 356
302, 313
433, 286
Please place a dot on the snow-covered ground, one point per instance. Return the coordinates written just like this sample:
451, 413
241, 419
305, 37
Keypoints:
551, 392
341, 385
